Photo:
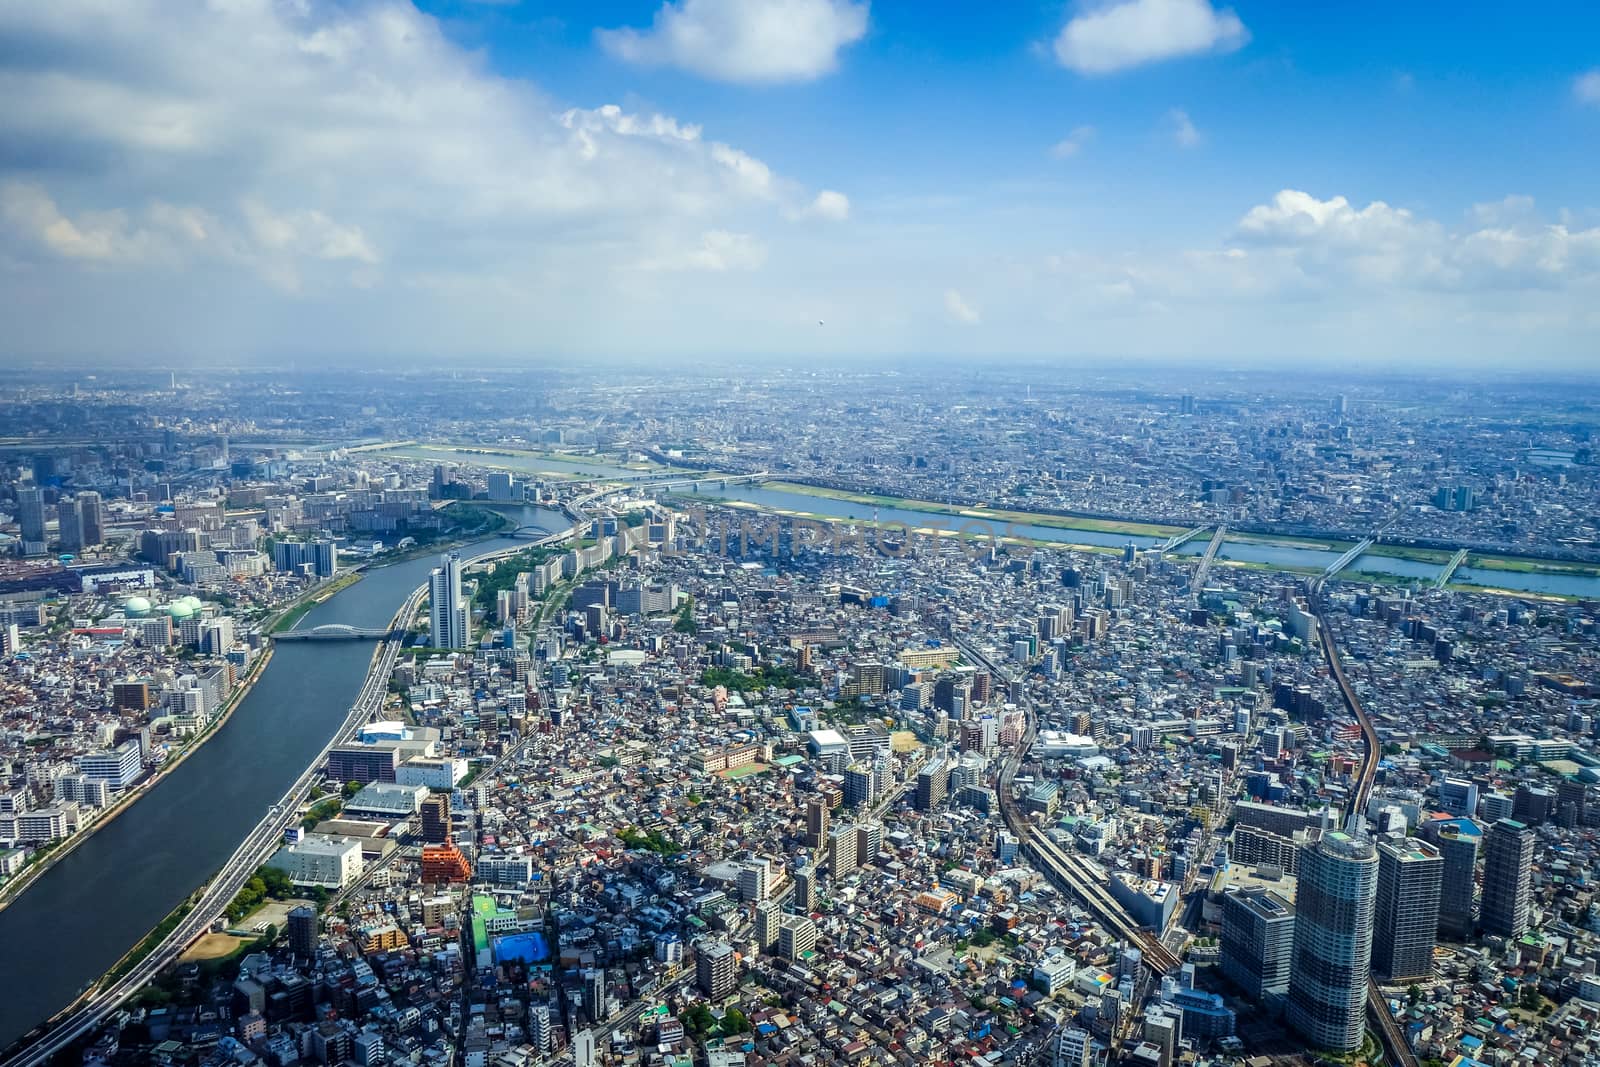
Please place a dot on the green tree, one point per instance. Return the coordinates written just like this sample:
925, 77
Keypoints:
734, 1021
351, 789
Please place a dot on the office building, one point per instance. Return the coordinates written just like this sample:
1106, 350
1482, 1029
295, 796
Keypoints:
91, 519
118, 768
1507, 878
1258, 942
30, 519
324, 557
302, 931
716, 970
1406, 916
70, 529
362, 763
447, 610
1337, 892
435, 811
319, 860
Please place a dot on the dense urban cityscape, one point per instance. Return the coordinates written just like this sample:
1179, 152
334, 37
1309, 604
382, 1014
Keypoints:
799, 533
1243, 724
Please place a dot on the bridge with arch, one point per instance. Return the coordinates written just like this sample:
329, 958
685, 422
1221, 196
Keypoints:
335, 631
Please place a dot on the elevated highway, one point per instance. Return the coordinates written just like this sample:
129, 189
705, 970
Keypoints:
1394, 1042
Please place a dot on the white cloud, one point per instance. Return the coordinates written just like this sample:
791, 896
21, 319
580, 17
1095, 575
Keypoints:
830, 205
300, 142
744, 40
1586, 87
717, 250
1502, 247
958, 309
1136, 32
1072, 143
1184, 134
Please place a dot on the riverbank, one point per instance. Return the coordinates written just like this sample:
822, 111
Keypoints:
19, 885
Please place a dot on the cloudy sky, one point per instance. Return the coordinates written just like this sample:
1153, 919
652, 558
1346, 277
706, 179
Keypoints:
1105, 179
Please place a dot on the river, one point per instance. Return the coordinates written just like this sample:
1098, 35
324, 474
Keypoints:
1275, 554
83, 914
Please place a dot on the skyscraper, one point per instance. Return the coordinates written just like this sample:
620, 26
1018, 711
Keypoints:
1333, 941
30, 517
1458, 846
71, 529
1258, 942
91, 520
448, 613
1507, 878
1406, 918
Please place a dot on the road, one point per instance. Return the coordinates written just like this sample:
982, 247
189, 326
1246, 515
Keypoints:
83, 1019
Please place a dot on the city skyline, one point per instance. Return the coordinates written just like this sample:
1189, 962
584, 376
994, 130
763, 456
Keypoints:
1154, 179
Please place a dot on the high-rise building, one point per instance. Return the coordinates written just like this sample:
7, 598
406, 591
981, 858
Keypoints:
1406, 917
858, 791
436, 819
869, 842
716, 970
594, 994
30, 517
1258, 942
1507, 878
71, 529
1338, 885
755, 879
324, 557
767, 916
91, 519
448, 612
842, 851
816, 821
302, 931
1458, 841
805, 889
933, 784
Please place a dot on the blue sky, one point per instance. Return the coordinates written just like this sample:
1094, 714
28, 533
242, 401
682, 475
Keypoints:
1140, 179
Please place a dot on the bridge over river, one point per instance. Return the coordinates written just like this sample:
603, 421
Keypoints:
336, 631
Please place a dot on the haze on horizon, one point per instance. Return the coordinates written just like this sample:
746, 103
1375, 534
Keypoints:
1129, 179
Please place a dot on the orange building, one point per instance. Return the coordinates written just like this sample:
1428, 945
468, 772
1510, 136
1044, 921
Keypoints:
444, 863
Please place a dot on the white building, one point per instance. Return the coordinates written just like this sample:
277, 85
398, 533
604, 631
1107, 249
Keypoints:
440, 774
447, 611
317, 859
